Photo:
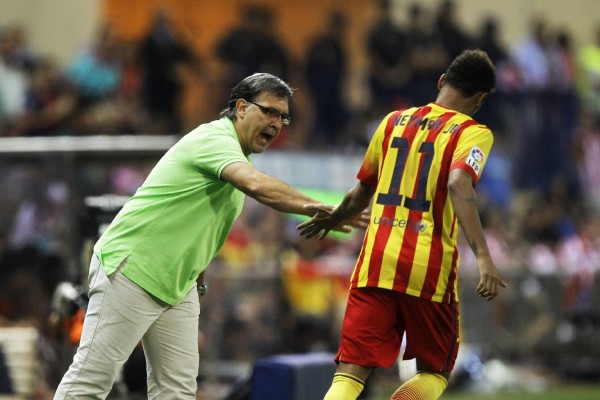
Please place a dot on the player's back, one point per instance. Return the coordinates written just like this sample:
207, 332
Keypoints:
410, 244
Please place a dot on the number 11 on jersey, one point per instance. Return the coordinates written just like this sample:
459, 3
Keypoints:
393, 197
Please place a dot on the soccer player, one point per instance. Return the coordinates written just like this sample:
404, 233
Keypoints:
148, 263
420, 170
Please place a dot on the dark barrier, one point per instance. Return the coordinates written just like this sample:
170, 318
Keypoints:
293, 377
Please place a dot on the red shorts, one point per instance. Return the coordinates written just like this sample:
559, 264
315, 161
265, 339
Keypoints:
376, 319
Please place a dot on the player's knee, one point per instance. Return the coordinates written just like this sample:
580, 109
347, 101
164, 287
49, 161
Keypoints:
424, 385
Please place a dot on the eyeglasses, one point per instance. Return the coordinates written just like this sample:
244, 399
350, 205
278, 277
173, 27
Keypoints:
273, 113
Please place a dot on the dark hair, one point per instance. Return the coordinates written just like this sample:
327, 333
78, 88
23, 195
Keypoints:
250, 87
472, 72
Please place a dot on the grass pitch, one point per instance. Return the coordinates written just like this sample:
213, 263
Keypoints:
560, 392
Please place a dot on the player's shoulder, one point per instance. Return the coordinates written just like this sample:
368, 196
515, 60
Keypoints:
477, 133
475, 126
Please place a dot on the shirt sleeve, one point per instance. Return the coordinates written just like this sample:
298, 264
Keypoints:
369, 169
472, 151
215, 151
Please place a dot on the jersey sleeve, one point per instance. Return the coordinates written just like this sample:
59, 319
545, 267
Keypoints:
369, 169
472, 151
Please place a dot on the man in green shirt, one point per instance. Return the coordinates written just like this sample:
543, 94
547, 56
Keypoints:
145, 267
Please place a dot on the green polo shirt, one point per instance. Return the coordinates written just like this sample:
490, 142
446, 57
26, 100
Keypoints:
178, 220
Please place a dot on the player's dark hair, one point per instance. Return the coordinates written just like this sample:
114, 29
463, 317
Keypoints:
472, 72
250, 87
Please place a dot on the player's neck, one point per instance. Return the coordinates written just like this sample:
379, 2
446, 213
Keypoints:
453, 100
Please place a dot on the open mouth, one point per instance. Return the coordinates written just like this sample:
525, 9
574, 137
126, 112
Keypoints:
266, 137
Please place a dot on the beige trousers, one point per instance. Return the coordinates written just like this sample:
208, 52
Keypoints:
119, 315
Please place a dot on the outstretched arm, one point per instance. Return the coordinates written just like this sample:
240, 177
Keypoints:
266, 189
464, 200
278, 194
353, 204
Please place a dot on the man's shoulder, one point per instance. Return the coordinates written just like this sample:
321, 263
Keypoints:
222, 125
220, 129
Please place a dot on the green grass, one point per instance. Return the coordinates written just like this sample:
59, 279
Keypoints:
578, 392
558, 393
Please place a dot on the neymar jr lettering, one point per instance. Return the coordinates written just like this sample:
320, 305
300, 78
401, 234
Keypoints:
413, 121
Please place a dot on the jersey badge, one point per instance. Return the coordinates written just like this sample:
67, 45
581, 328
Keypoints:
475, 159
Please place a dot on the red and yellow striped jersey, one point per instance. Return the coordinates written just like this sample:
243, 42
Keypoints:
410, 244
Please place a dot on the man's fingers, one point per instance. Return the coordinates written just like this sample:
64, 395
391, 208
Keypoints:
302, 226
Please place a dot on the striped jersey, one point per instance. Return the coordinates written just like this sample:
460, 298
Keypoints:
410, 244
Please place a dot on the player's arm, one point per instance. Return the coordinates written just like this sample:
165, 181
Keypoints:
464, 201
353, 204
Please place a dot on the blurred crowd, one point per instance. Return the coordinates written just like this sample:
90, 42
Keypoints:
539, 195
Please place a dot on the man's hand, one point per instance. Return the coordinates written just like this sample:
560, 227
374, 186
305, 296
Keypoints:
489, 279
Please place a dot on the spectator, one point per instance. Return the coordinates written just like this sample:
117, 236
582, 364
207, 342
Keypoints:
164, 51
96, 71
535, 125
252, 46
96, 75
453, 37
563, 62
427, 56
129, 99
49, 103
532, 57
562, 111
39, 221
13, 79
488, 40
587, 158
325, 73
541, 230
579, 258
386, 52
15, 48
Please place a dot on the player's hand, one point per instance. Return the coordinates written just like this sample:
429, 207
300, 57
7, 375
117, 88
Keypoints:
490, 280
326, 220
320, 223
360, 221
